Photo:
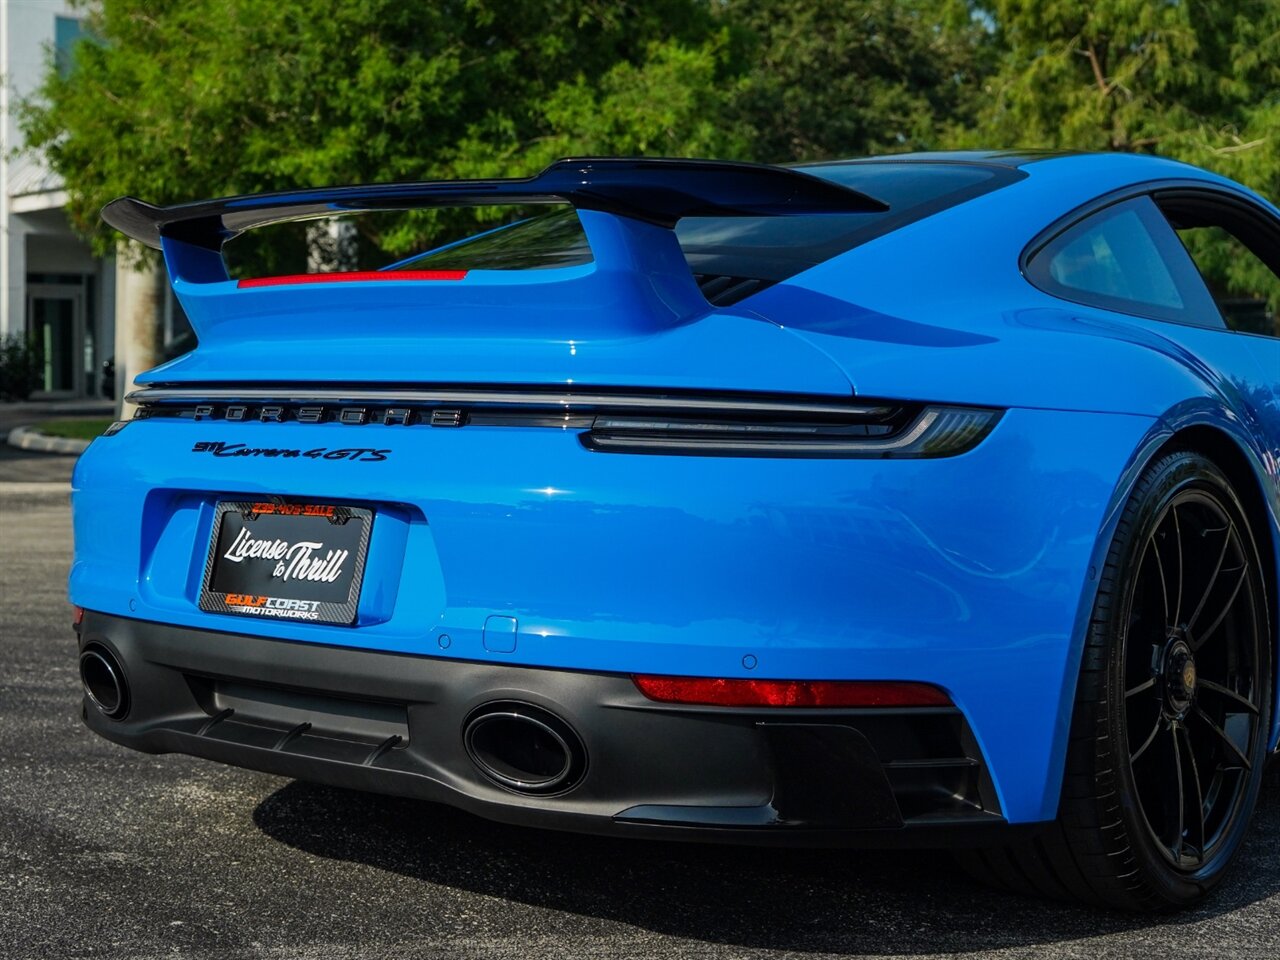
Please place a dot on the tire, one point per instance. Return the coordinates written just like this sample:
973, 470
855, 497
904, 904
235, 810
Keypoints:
1127, 835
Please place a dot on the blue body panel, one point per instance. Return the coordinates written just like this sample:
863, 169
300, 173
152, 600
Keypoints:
974, 572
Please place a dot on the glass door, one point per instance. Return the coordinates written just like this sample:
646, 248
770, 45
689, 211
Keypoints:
56, 319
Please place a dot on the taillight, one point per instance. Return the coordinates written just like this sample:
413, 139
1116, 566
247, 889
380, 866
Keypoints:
720, 692
887, 432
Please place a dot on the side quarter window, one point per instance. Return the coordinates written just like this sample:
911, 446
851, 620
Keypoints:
1124, 258
1236, 249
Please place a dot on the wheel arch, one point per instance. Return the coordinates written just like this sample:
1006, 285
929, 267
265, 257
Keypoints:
1080, 851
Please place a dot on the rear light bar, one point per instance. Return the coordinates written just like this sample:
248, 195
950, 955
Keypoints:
934, 431
721, 692
358, 275
610, 421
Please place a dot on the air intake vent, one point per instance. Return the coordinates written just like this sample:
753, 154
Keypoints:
722, 291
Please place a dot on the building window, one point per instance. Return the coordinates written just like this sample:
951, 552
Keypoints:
67, 32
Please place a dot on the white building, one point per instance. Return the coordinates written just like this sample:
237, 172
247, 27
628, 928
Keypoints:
51, 286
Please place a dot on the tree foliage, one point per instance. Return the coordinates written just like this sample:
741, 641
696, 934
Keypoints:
180, 99
840, 78
1189, 79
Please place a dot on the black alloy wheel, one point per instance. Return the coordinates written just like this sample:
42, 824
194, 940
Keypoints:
1173, 706
1192, 700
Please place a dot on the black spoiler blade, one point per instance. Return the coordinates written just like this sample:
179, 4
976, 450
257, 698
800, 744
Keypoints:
655, 191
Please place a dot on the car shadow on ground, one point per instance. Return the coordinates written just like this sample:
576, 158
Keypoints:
842, 902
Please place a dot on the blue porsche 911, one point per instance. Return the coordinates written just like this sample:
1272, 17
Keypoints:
927, 500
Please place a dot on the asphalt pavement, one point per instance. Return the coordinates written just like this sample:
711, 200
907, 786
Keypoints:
109, 853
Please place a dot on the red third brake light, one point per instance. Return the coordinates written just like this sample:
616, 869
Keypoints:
790, 693
360, 275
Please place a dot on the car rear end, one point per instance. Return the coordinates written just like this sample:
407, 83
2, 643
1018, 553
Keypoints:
578, 546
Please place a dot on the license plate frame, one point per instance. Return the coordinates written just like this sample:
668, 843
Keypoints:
286, 583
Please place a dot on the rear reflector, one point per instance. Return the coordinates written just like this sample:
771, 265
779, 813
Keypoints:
353, 276
790, 693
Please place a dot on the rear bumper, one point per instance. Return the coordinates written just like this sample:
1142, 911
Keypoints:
971, 573
392, 723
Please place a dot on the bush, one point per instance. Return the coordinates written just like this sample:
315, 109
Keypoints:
21, 367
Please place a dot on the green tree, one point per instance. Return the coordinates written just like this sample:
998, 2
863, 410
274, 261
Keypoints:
179, 99
841, 78
1190, 79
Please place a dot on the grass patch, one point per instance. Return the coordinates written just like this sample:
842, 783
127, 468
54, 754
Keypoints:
85, 429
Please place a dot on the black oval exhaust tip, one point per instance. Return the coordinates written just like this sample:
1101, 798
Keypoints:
103, 681
524, 748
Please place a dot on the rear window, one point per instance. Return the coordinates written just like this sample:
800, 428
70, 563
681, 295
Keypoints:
774, 248
733, 257
552, 239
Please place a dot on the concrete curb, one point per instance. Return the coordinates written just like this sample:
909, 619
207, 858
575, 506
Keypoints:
35, 491
27, 438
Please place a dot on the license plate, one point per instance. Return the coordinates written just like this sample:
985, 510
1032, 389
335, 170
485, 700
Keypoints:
286, 561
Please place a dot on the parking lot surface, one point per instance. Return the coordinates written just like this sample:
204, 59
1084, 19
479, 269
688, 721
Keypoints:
109, 853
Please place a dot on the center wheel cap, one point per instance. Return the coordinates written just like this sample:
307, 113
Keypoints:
1179, 676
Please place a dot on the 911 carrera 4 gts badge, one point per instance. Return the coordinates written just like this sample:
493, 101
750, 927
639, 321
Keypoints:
220, 448
293, 561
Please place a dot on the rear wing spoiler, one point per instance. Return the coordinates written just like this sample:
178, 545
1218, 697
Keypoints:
639, 280
654, 191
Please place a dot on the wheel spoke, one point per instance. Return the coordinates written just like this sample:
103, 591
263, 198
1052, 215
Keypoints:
1182, 799
1198, 642
1204, 684
1133, 757
1164, 588
1213, 578
1195, 779
1145, 685
1225, 738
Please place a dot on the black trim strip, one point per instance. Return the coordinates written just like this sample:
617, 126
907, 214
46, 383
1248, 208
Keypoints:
729, 404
